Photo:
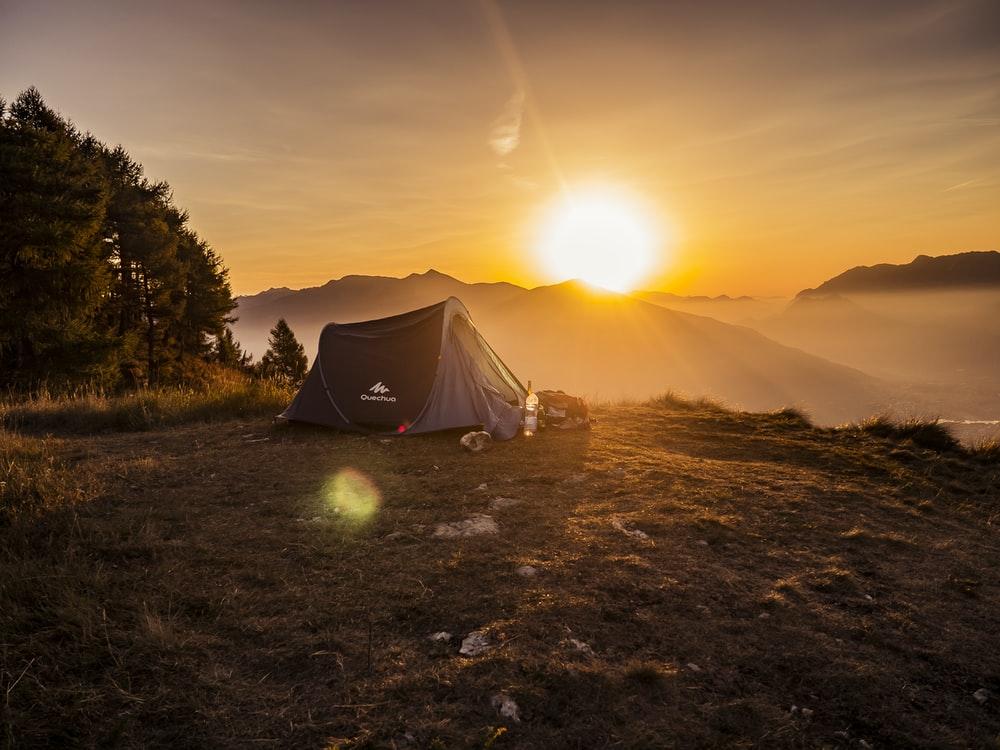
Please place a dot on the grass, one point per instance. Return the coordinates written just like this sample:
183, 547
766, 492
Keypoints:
34, 477
225, 396
214, 585
923, 433
986, 450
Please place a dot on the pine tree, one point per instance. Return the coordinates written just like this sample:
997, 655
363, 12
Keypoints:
101, 276
53, 261
285, 358
228, 352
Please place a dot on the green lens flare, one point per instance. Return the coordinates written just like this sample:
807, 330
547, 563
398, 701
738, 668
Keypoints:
352, 496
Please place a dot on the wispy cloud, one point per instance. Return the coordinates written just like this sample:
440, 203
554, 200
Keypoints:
506, 133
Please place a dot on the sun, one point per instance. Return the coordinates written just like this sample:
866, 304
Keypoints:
601, 235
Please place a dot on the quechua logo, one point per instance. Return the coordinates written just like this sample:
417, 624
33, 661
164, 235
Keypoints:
378, 392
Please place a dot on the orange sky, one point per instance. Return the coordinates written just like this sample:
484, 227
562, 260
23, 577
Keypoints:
782, 141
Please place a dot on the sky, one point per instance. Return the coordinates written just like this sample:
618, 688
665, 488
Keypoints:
775, 144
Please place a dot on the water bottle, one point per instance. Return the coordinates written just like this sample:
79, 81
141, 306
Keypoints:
530, 413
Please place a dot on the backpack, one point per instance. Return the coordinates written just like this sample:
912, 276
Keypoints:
561, 410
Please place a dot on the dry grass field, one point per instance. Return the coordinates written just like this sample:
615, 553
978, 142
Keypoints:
701, 578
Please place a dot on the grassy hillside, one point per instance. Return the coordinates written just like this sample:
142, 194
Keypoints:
701, 578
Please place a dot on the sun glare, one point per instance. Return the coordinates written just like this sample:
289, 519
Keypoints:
600, 235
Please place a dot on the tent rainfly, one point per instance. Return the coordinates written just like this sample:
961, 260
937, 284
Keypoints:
424, 370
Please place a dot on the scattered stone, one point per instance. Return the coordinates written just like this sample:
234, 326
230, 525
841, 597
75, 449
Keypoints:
393, 535
499, 503
473, 526
582, 647
441, 636
702, 543
506, 707
763, 616
481, 488
696, 669
575, 478
476, 442
634, 533
982, 695
807, 713
527, 571
865, 745
475, 643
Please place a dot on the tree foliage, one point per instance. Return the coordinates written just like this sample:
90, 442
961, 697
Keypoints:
285, 358
101, 278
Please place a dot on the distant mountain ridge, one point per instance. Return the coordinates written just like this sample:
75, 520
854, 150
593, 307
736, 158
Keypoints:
923, 273
586, 341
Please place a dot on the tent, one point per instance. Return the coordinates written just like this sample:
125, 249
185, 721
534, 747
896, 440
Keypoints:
424, 370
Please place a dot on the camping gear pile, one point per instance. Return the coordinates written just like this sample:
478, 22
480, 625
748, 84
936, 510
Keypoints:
562, 411
421, 371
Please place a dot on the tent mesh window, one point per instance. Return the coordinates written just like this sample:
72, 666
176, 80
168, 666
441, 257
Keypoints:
489, 363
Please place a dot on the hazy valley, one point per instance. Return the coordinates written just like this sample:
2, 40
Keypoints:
842, 352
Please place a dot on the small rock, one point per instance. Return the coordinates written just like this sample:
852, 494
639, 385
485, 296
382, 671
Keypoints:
506, 707
499, 503
866, 745
702, 543
763, 616
475, 643
807, 713
441, 636
473, 526
476, 442
693, 667
634, 533
393, 535
481, 488
575, 478
527, 571
582, 647
982, 695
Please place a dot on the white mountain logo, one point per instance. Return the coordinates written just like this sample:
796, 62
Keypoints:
380, 391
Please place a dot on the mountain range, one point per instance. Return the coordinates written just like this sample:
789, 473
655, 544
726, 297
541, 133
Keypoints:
841, 355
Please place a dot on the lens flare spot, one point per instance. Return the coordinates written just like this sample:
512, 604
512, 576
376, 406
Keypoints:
352, 495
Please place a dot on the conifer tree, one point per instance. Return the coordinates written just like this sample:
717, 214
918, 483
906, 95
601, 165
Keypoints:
285, 358
53, 261
229, 353
102, 278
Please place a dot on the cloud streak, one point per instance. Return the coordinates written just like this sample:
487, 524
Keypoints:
505, 135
